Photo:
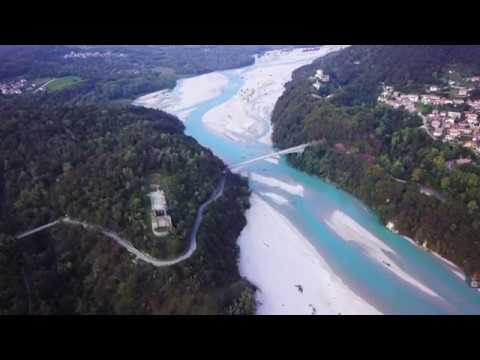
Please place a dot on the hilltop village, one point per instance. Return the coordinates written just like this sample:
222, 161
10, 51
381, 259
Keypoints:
13, 87
450, 113
94, 54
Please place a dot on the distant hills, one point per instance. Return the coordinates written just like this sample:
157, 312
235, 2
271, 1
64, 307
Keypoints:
398, 64
116, 73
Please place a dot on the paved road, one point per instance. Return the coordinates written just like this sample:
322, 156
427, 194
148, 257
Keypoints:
43, 86
432, 192
425, 127
40, 228
425, 190
129, 246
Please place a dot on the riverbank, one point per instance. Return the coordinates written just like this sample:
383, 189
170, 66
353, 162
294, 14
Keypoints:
266, 258
182, 101
349, 230
299, 264
246, 116
291, 275
450, 265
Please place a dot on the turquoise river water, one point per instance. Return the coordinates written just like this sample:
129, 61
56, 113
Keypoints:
367, 277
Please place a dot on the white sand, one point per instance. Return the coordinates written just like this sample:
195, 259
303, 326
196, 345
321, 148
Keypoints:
294, 189
450, 265
190, 93
454, 268
276, 257
410, 240
350, 230
246, 116
273, 254
391, 226
280, 200
273, 160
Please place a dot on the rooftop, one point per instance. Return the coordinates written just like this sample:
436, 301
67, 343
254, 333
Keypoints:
158, 199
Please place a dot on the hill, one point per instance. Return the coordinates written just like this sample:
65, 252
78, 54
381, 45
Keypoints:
94, 163
380, 153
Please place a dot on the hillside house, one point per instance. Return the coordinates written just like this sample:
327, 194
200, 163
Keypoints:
161, 221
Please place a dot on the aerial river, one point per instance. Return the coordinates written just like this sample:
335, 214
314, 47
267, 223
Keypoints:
384, 271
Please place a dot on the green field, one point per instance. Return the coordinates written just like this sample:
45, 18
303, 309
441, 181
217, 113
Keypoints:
63, 83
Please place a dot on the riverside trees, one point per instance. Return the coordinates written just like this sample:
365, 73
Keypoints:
366, 144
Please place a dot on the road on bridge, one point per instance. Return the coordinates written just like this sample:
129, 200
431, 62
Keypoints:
294, 149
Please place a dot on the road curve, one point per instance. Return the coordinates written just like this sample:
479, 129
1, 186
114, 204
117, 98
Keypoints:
129, 246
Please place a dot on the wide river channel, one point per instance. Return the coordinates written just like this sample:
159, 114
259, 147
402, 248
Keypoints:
426, 284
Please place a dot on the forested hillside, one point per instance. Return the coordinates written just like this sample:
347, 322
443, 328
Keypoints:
381, 154
72, 144
94, 163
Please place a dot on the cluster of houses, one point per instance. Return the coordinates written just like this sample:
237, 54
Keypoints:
86, 55
397, 100
454, 126
17, 87
462, 127
13, 87
319, 78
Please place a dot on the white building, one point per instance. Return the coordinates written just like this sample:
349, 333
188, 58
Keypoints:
321, 76
454, 114
413, 98
438, 132
161, 221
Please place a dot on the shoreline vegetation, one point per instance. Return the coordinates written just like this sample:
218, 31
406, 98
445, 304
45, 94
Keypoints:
368, 145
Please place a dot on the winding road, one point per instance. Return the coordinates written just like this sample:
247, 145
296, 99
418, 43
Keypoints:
128, 245
193, 235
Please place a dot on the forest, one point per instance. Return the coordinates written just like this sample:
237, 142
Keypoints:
93, 162
381, 155
123, 72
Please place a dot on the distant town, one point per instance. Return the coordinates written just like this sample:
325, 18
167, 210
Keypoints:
96, 54
17, 87
449, 113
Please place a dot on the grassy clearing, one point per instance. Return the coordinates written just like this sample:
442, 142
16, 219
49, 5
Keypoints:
63, 83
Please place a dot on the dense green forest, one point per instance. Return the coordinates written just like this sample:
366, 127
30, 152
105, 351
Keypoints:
382, 155
122, 72
79, 148
93, 163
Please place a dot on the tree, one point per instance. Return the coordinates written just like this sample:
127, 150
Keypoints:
417, 175
397, 169
445, 183
439, 162
472, 206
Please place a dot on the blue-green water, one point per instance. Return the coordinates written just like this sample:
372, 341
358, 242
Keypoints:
369, 278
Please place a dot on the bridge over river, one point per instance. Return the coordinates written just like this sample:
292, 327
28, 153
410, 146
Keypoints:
193, 242
292, 150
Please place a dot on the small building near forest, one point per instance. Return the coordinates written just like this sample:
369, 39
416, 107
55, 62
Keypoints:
161, 221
